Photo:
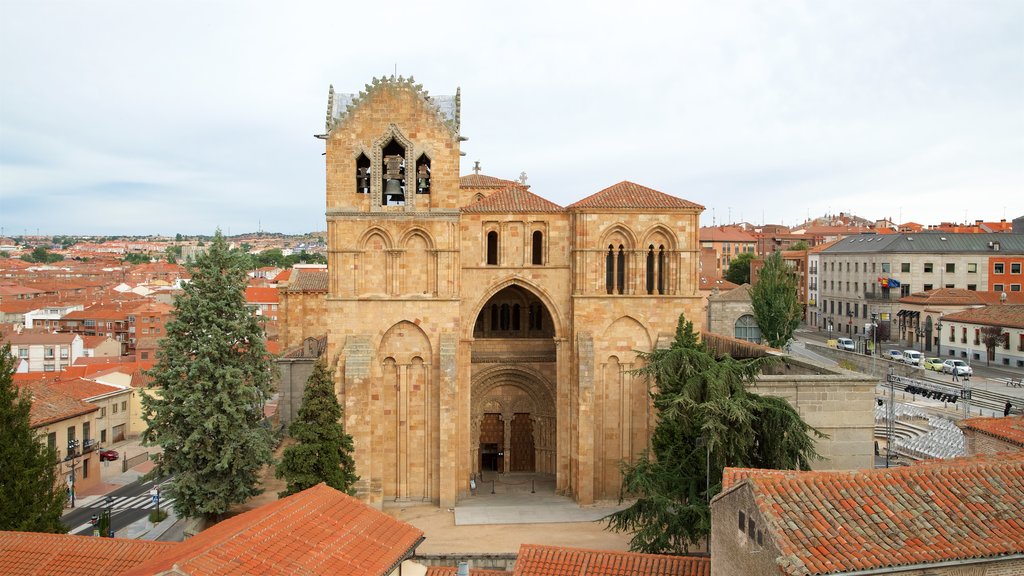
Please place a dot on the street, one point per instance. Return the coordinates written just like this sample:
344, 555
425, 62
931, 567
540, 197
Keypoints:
127, 504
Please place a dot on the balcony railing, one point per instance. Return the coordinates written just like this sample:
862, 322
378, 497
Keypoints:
89, 445
890, 297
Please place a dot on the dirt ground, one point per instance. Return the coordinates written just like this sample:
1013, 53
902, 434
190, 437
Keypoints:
443, 536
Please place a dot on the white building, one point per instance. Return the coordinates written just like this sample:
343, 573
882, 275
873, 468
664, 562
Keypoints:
44, 352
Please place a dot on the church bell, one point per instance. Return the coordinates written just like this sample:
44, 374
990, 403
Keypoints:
393, 189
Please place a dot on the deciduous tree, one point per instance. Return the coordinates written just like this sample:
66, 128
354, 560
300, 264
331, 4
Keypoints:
707, 420
992, 336
31, 496
774, 298
210, 382
324, 451
739, 268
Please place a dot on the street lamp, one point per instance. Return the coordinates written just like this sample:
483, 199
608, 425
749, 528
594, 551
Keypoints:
874, 334
72, 457
938, 339
829, 328
109, 525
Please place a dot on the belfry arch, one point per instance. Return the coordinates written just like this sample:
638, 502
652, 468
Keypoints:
513, 411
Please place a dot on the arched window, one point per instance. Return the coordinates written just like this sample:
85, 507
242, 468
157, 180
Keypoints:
423, 175
620, 278
538, 248
394, 173
515, 317
494, 317
504, 316
661, 269
650, 269
492, 248
746, 329
609, 270
362, 174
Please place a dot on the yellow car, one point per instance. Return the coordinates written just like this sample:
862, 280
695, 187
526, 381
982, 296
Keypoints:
933, 364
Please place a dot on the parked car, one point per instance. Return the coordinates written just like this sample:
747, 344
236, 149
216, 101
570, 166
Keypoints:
108, 455
958, 367
933, 364
845, 344
912, 357
895, 355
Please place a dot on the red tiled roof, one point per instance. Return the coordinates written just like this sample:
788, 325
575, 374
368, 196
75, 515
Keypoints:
283, 275
960, 296
513, 199
32, 337
538, 560
34, 554
83, 389
317, 531
1005, 315
52, 404
935, 511
626, 194
255, 295
725, 234
308, 281
1009, 429
453, 571
481, 181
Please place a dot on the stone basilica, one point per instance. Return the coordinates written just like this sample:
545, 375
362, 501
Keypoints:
472, 325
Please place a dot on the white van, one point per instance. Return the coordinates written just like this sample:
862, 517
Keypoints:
912, 357
845, 344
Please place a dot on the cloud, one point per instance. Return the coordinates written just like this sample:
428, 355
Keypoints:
786, 107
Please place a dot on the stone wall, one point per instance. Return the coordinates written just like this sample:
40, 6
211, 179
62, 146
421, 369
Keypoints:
838, 403
735, 548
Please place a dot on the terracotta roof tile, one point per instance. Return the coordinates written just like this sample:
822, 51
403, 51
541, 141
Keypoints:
513, 199
83, 389
453, 571
960, 296
725, 234
1005, 315
34, 554
308, 281
538, 560
626, 194
935, 511
260, 295
52, 404
1009, 429
482, 181
317, 531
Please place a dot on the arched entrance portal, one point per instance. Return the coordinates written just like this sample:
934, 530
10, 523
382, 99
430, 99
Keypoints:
513, 392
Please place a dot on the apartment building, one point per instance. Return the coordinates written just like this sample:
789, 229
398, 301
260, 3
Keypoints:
726, 242
863, 277
45, 352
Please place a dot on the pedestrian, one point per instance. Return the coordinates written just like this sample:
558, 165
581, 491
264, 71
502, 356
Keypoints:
955, 372
1006, 410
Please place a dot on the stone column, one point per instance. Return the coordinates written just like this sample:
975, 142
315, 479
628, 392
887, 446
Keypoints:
448, 417
584, 479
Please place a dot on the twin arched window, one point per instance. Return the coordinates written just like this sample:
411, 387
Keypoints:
655, 269
615, 270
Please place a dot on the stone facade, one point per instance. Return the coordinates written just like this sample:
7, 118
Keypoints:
472, 325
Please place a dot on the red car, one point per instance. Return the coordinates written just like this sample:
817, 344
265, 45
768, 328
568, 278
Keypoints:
106, 455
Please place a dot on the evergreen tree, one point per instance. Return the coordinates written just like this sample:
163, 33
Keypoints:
707, 420
210, 382
324, 450
775, 302
31, 496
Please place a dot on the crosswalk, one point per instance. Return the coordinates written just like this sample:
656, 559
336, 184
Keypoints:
142, 502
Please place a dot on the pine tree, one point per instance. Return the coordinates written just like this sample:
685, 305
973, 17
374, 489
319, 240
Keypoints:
707, 420
324, 451
210, 382
31, 496
774, 298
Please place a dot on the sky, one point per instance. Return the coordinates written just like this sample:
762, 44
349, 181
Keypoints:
160, 117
